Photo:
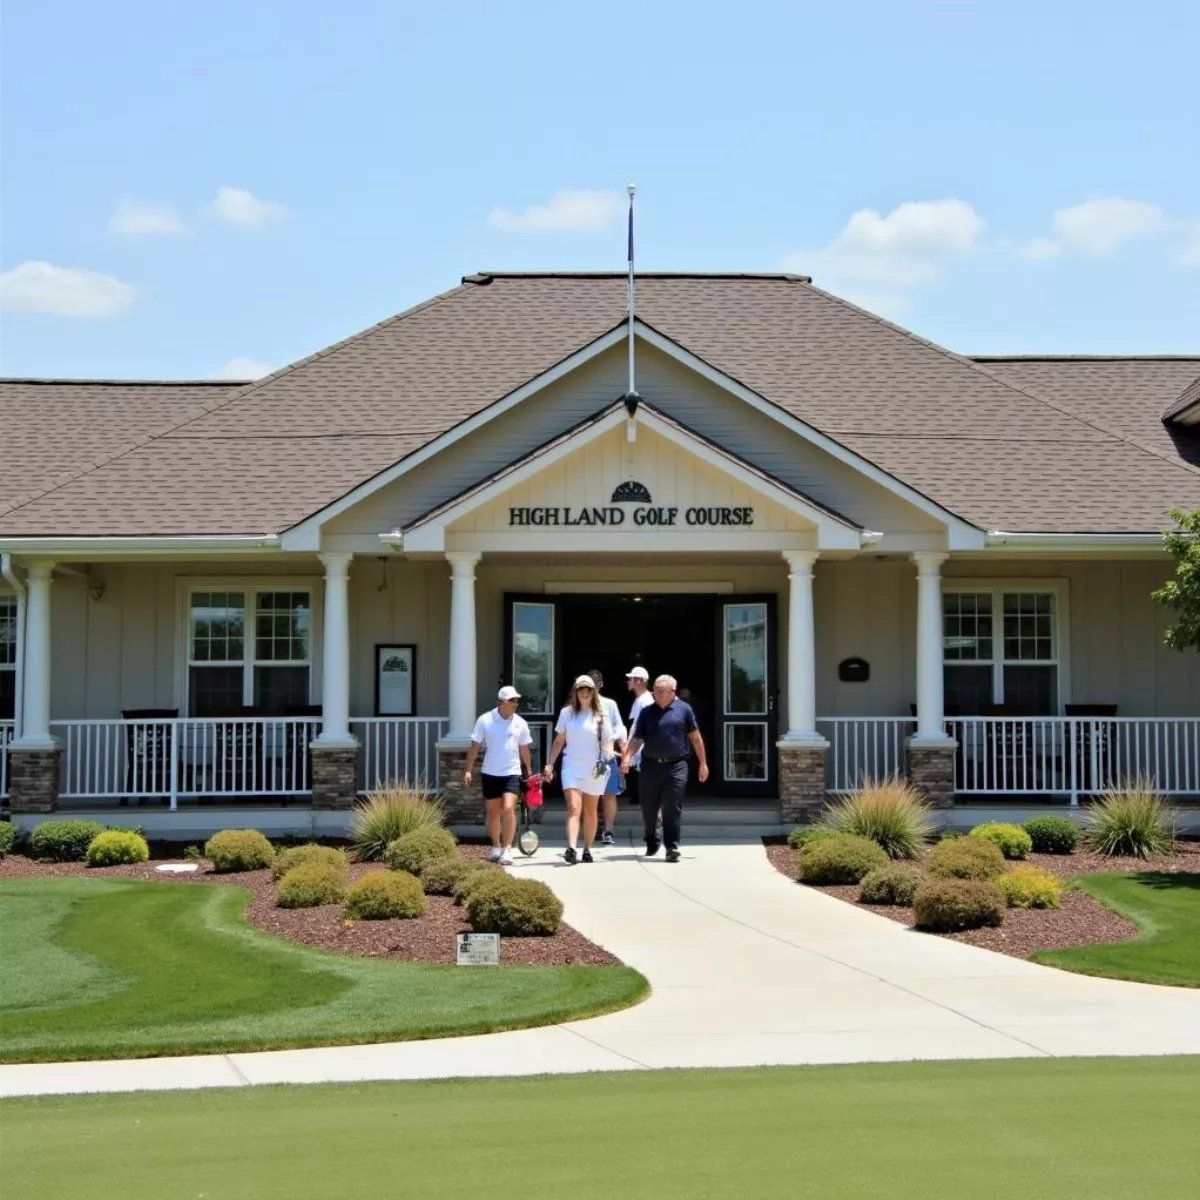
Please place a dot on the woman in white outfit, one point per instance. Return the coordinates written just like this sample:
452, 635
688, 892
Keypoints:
584, 738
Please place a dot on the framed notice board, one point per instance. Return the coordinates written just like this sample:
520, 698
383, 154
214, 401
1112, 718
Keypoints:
396, 680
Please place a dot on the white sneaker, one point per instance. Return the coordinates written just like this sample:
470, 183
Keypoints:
494, 854
506, 858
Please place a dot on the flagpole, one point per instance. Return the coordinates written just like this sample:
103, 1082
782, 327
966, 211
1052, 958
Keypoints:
631, 189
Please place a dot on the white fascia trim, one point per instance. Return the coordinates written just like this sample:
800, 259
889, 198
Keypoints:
134, 546
960, 534
1054, 542
429, 533
306, 535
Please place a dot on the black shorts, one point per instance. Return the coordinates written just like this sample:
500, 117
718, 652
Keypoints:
495, 786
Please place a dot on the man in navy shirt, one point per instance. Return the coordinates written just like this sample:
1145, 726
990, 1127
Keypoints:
663, 732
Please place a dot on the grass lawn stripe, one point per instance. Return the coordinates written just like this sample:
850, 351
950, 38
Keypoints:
171, 969
1166, 908
1105, 1129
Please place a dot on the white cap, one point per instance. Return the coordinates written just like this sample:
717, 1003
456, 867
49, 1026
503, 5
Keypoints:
637, 673
585, 681
508, 693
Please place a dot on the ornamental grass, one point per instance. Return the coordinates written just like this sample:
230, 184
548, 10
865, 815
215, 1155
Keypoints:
389, 814
1133, 822
889, 811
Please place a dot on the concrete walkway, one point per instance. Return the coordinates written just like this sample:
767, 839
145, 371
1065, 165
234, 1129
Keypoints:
747, 968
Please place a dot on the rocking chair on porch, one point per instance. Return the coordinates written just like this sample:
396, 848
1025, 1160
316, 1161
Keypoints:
148, 754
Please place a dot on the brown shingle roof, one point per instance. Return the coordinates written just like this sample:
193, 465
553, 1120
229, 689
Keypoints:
978, 441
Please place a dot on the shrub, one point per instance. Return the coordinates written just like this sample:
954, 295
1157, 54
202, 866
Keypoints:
192, 853
516, 907
293, 856
1052, 835
62, 841
468, 881
945, 905
841, 859
1134, 823
894, 884
889, 811
239, 850
387, 815
8, 838
414, 851
382, 895
439, 876
311, 884
1027, 886
1013, 841
966, 858
804, 835
115, 846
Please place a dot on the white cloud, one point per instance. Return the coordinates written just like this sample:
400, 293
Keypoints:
1102, 226
909, 246
567, 212
42, 287
1041, 248
146, 220
1191, 248
239, 207
243, 368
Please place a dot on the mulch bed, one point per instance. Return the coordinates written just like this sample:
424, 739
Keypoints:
426, 939
1080, 921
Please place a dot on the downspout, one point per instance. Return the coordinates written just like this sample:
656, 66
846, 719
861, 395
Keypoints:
9, 572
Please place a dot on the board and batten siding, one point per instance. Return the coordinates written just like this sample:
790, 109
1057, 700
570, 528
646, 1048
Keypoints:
123, 651
671, 387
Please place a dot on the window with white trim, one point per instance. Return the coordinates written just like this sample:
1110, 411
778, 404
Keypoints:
1001, 647
248, 648
8, 657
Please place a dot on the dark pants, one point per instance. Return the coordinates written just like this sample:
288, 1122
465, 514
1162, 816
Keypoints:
661, 785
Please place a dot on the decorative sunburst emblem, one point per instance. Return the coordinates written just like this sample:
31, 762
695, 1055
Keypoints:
631, 492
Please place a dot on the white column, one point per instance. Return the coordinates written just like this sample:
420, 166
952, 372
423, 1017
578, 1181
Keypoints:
335, 663
462, 642
36, 666
931, 728
802, 656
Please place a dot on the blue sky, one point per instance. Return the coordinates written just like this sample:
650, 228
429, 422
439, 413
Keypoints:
185, 186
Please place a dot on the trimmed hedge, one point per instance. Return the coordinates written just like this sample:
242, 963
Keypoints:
416, 850
1013, 840
439, 876
285, 860
116, 846
804, 835
845, 858
8, 838
62, 841
310, 885
468, 881
896, 883
239, 850
514, 907
385, 895
1027, 886
1052, 835
966, 858
947, 905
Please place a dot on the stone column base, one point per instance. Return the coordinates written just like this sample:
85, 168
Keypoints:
801, 782
334, 776
463, 805
931, 771
33, 779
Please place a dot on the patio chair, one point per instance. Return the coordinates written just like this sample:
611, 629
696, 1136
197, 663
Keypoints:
148, 753
1095, 748
298, 740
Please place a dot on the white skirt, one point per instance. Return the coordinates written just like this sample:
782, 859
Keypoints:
581, 779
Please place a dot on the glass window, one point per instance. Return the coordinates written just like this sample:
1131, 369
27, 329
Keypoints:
746, 752
533, 655
746, 658
228, 671
8, 656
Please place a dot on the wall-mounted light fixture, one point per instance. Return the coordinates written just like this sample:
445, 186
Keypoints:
97, 589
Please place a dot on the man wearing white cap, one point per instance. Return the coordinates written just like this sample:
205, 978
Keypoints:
505, 739
638, 682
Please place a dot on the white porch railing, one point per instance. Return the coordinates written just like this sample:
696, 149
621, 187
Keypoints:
6, 733
863, 748
398, 750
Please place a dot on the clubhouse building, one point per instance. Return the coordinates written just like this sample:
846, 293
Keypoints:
859, 553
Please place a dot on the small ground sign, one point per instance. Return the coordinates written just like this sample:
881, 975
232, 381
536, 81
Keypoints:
478, 950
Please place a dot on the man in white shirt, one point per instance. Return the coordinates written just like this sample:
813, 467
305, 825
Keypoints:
616, 782
505, 739
638, 682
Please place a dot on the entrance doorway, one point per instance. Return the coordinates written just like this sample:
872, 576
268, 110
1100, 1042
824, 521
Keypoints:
720, 648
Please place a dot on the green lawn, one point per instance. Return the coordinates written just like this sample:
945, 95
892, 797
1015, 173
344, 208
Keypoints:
1096, 1128
102, 968
1165, 907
